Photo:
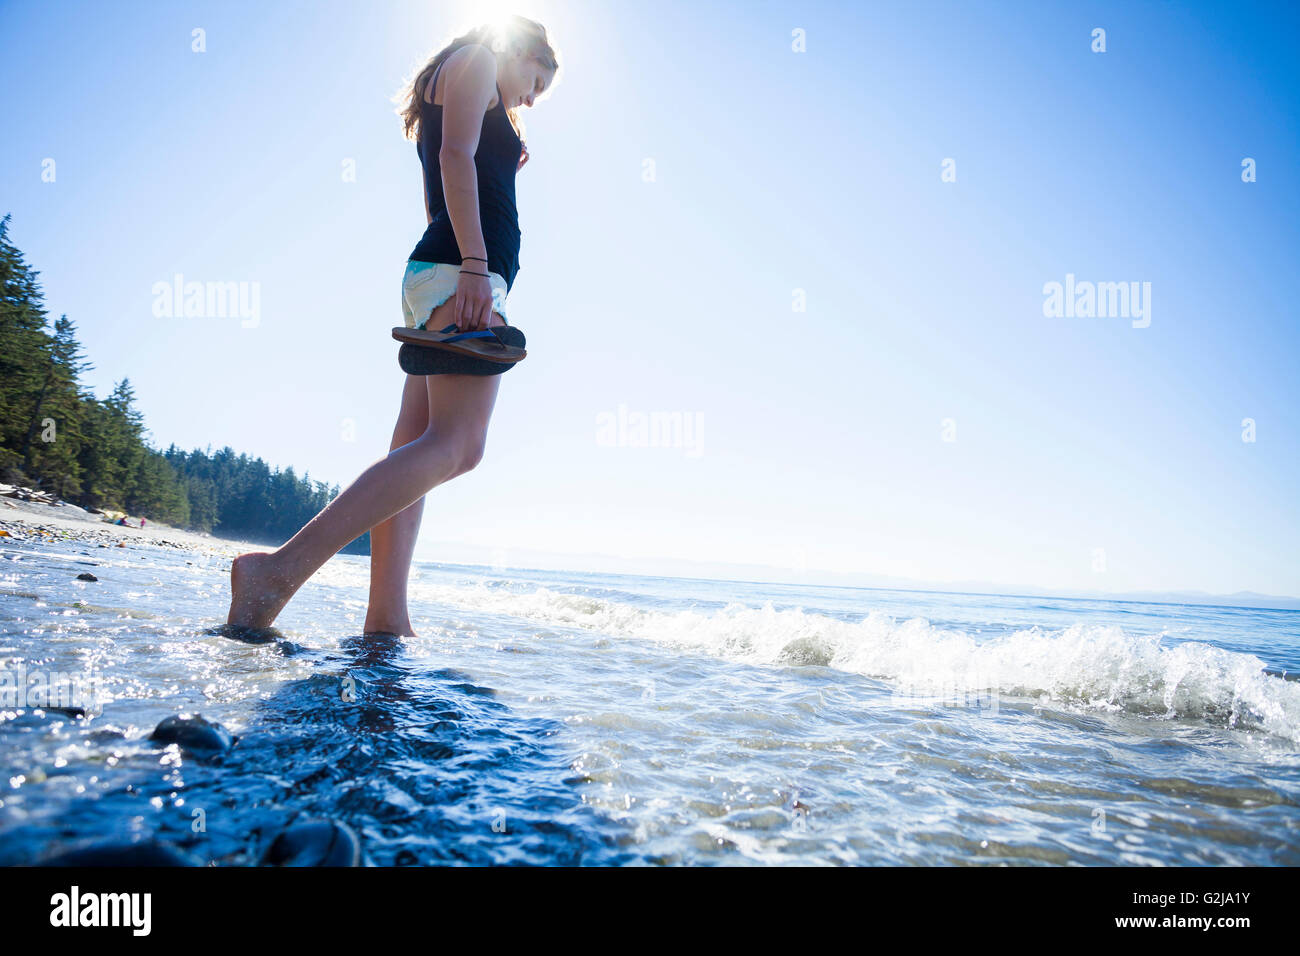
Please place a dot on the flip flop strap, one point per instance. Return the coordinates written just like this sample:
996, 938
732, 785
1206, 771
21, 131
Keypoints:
480, 334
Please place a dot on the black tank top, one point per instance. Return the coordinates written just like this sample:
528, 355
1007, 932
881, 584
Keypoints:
496, 161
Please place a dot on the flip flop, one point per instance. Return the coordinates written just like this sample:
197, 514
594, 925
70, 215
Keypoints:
484, 352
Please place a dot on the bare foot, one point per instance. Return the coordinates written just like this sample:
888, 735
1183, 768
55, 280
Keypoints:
379, 625
258, 592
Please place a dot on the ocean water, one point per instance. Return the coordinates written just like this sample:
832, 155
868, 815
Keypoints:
569, 718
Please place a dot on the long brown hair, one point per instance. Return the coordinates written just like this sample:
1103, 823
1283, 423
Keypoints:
514, 31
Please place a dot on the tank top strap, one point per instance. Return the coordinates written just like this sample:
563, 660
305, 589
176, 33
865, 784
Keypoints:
432, 87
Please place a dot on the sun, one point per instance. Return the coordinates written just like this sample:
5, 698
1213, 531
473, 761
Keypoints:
495, 12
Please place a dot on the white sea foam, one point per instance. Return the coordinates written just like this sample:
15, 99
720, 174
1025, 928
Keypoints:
1098, 666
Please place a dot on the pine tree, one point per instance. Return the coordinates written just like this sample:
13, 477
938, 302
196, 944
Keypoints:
23, 351
54, 436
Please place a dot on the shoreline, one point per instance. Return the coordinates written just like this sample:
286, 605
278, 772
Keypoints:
32, 522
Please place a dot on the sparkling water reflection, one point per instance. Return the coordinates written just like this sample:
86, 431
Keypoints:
575, 718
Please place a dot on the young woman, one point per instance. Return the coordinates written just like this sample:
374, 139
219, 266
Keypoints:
461, 112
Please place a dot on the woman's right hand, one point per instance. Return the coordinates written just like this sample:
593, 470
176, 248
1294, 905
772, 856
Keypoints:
473, 310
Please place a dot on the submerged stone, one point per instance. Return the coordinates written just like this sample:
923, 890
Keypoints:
192, 733
316, 843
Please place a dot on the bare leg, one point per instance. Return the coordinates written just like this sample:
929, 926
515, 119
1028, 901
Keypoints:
460, 407
392, 542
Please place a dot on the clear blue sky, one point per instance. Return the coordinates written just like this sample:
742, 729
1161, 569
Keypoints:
821, 442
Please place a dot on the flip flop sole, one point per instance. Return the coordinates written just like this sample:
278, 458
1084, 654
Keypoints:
506, 346
422, 354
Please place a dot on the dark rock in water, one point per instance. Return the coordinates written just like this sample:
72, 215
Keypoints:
192, 733
86, 576
316, 843
142, 853
65, 711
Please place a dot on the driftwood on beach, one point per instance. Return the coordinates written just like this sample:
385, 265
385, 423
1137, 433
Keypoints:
28, 494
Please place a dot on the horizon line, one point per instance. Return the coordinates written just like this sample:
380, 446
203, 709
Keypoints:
920, 587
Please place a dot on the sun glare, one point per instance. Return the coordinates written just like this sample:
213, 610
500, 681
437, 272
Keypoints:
495, 12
